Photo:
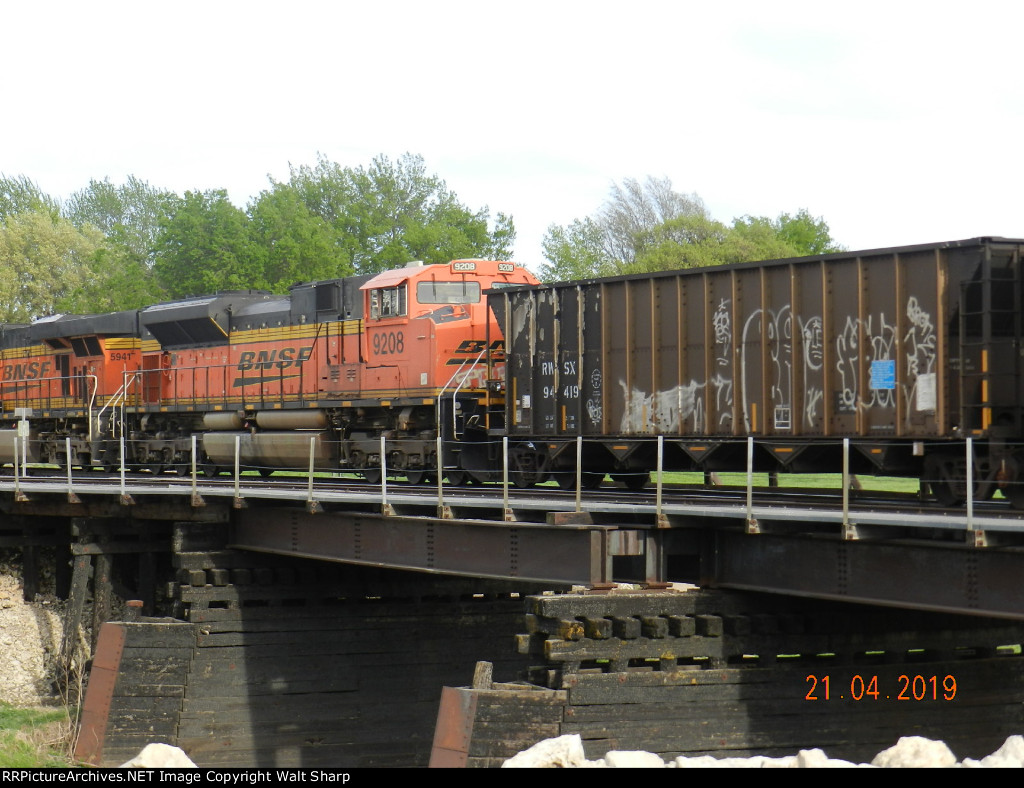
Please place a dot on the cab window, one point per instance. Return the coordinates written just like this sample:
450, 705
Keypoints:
430, 292
389, 302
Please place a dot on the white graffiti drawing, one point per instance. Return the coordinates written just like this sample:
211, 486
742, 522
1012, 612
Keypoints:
780, 344
881, 342
594, 409
662, 411
920, 345
721, 381
812, 338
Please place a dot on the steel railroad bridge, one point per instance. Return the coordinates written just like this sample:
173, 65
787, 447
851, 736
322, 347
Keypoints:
841, 547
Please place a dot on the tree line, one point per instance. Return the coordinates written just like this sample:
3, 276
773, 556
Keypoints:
648, 226
109, 247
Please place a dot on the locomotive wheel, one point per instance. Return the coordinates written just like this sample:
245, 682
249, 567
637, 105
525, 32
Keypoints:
182, 468
155, 468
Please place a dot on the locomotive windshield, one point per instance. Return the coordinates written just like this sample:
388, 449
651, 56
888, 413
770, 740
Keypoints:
448, 292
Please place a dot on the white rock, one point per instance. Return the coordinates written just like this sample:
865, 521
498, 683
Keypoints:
160, 756
817, 759
633, 759
1009, 756
916, 752
560, 752
786, 762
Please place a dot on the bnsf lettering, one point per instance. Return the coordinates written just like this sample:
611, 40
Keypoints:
33, 370
474, 346
274, 359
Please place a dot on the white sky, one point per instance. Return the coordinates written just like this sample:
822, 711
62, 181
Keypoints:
898, 122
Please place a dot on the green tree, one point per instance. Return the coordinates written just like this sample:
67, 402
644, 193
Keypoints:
807, 234
128, 215
648, 226
390, 213
44, 260
21, 194
576, 251
293, 244
204, 246
635, 212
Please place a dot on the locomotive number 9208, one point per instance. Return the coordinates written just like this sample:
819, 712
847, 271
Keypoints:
387, 343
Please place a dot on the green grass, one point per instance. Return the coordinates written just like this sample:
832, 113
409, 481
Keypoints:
833, 481
34, 737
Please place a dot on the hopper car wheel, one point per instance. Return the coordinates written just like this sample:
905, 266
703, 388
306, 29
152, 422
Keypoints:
1014, 493
266, 472
182, 468
418, 476
210, 470
590, 480
155, 468
634, 481
945, 494
939, 474
372, 475
522, 479
457, 477
1012, 485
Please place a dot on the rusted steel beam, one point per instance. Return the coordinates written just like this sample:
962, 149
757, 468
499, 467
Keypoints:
565, 554
929, 576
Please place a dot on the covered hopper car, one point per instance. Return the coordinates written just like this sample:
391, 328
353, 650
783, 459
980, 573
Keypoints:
906, 352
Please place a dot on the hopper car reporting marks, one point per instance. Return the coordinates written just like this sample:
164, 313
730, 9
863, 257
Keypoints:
341, 363
906, 352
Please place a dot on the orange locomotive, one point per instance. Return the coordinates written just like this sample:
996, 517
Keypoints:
330, 368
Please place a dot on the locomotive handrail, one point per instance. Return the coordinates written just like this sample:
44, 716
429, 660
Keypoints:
118, 397
440, 394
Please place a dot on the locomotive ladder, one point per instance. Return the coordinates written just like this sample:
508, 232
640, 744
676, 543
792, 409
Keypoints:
990, 325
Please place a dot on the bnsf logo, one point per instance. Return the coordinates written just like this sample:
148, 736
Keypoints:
475, 347
32, 370
273, 359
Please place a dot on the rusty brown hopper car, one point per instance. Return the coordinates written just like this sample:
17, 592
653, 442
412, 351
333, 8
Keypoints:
905, 351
